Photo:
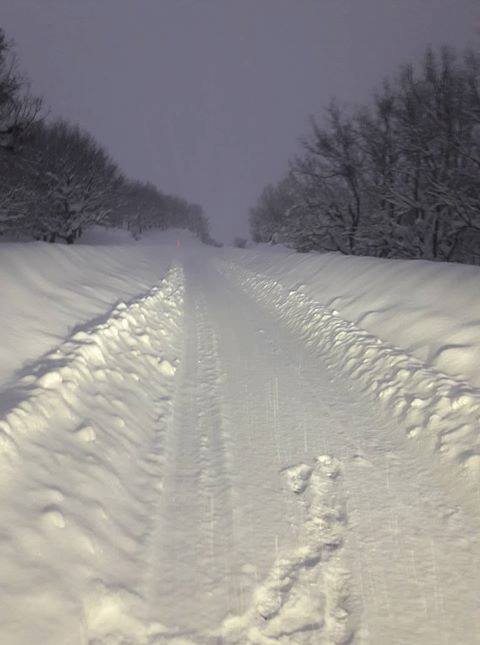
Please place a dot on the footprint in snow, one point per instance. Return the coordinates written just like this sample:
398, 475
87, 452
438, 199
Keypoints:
85, 433
166, 368
53, 516
298, 477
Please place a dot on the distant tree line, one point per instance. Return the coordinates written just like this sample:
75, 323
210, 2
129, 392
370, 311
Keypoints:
399, 178
56, 180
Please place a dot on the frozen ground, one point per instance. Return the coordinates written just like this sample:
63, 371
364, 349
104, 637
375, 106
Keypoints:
223, 446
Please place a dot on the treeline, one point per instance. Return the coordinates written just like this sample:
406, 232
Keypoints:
56, 180
399, 178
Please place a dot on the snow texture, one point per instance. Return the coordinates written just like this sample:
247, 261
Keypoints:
230, 453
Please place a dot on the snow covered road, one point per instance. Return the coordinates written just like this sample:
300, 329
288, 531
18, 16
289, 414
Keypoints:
198, 467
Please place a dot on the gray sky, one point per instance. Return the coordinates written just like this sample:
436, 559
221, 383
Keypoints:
208, 98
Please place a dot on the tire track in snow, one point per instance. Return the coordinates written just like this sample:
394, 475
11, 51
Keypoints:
194, 523
215, 476
81, 453
269, 517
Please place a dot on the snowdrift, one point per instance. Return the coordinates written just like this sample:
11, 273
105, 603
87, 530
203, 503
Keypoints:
48, 290
428, 309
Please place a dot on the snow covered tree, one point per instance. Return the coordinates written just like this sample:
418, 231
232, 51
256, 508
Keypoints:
275, 210
335, 158
56, 180
428, 181
141, 206
74, 178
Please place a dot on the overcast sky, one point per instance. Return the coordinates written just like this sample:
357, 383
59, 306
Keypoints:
208, 98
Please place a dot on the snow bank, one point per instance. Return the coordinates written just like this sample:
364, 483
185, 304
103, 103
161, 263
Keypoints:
430, 310
406, 332
440, 412
79, 456
49, 290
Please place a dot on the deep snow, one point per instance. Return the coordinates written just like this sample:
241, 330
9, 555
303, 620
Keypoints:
224, 446
49, 290
429, 309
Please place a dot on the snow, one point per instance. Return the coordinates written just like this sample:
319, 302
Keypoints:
429, 309
49, 290
236, 446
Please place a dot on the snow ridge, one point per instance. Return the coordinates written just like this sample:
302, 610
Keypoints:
83, 448
81, 358
305, 598
437, 410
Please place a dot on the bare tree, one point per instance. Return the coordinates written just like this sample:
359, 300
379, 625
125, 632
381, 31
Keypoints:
397, 178
19, 111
